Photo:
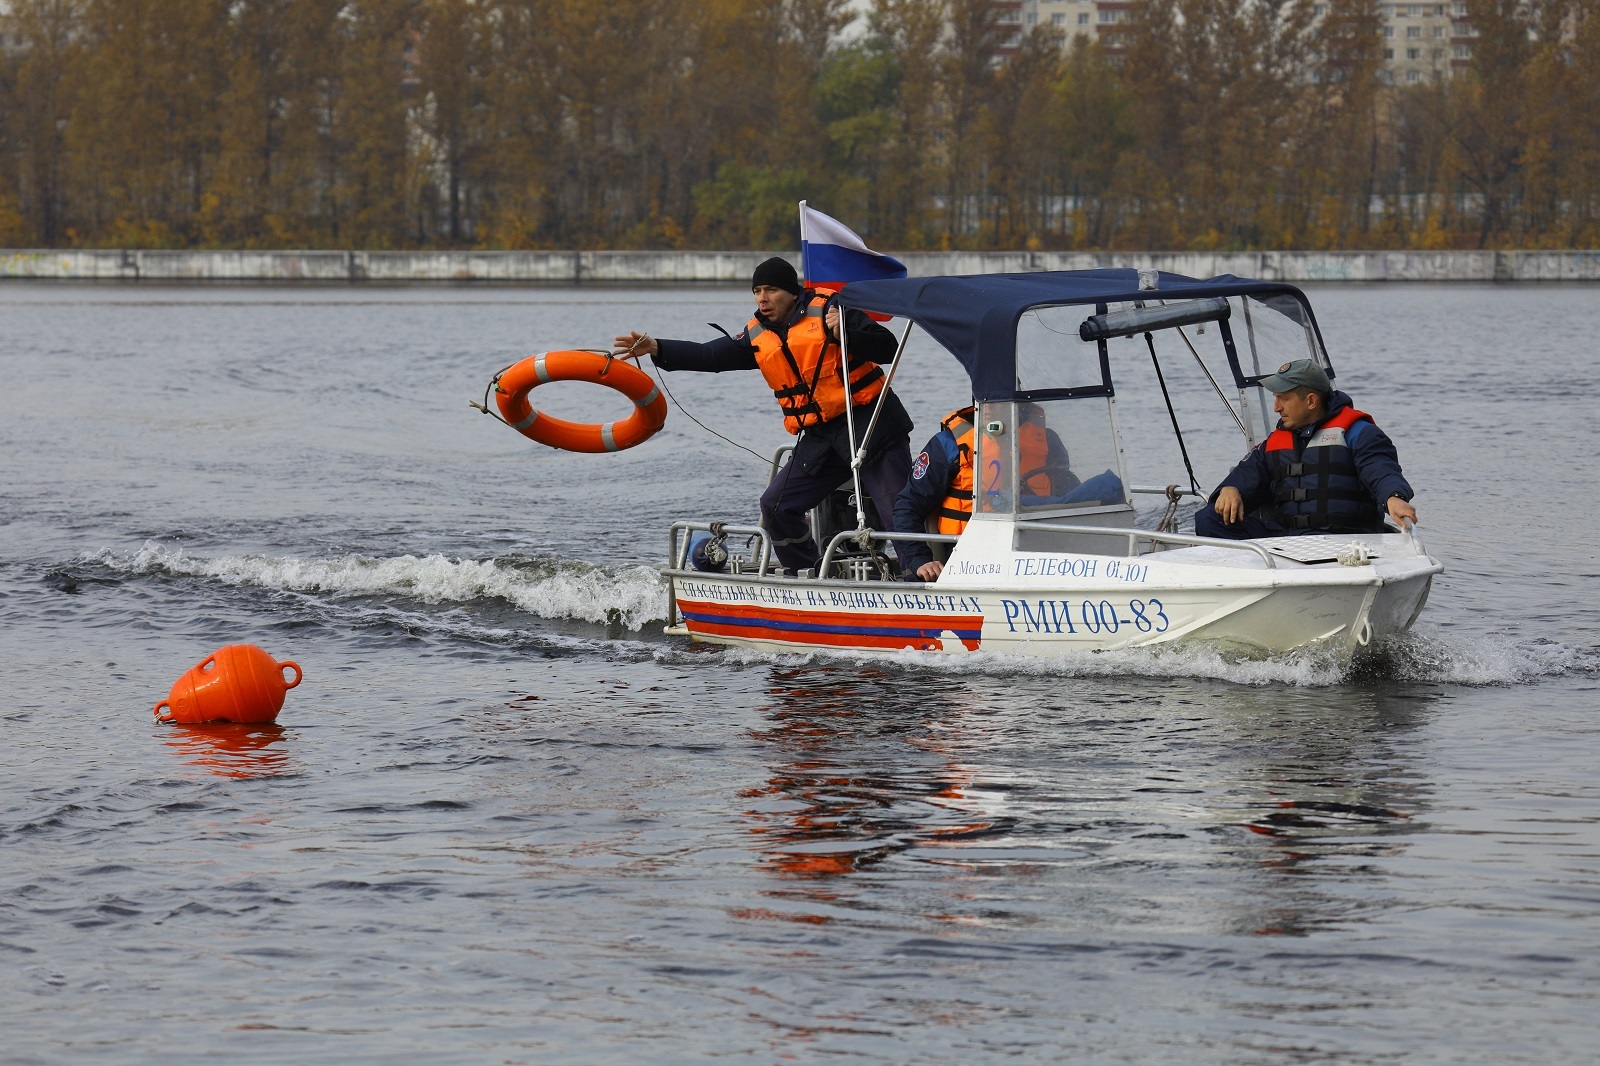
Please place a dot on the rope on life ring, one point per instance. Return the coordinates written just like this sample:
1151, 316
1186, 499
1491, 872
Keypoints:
513, 384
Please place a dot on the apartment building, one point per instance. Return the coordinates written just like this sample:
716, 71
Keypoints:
1421, 42
1085, 19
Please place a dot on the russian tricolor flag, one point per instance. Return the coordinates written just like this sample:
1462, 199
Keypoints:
832, 256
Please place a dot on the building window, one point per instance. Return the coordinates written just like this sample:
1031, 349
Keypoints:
1413, 76
1388, 31
1416, 11
1460, 9
1462, 51
1388, 53
1438, 31
1319, 10
1413, 53
1109, 16
1413, 31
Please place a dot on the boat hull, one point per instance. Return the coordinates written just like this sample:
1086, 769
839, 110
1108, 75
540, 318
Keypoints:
1265, 613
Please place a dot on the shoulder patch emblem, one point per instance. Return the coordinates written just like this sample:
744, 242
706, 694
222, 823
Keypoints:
919, 466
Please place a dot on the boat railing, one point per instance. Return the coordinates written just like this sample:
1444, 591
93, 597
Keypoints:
851, 535
1408, 529
1164, 490
777, 460
1136, 535
678, 551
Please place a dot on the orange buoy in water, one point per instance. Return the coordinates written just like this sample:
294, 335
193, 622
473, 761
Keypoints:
515, 382
239, 683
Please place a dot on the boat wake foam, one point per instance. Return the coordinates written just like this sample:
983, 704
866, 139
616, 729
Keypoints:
1433, 654
633, 597
630, 596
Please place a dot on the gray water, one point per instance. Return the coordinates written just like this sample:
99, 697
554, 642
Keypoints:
506, 819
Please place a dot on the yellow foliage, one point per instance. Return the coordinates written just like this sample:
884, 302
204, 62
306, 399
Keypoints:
139, 233
1434, 236
14, 229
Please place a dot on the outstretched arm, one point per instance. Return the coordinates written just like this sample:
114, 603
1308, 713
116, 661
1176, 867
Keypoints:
711, 357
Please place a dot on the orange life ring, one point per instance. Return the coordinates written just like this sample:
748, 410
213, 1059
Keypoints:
515, 382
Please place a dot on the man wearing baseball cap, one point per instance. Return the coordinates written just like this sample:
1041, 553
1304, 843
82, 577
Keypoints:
1327, 468
793, 339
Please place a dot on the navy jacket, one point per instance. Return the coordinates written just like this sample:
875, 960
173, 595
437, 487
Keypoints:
1376, 461
931, 473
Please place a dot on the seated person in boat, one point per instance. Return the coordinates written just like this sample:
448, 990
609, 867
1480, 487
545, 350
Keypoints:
938, 496
794, 341
1327, 468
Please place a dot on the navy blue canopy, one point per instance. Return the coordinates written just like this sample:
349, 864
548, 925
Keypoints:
975, 316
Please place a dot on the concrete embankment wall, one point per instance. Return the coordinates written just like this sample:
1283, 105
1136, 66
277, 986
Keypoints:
735, 267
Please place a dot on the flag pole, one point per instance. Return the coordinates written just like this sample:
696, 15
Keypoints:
805, 256
877, 409
850, 427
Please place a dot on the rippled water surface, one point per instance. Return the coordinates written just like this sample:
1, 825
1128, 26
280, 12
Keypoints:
506, 819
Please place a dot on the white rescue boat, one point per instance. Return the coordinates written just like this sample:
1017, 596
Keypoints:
1044, 575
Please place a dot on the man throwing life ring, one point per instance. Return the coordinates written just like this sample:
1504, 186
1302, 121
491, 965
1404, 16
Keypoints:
794, 341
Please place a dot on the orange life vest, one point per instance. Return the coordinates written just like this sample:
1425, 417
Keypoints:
1033, 446
955, 510
803, 368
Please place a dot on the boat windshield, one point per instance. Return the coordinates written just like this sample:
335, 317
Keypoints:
1055, 448
1272, 330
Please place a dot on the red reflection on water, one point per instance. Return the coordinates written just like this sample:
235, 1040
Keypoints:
228, 749
838, 793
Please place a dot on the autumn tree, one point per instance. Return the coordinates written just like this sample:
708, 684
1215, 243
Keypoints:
699, 123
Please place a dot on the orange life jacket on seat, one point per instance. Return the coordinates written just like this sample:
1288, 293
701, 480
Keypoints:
1033, 451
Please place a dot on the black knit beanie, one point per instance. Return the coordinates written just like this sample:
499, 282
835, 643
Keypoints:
779, 273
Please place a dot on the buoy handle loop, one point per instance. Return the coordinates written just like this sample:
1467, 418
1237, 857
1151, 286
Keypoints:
288, 664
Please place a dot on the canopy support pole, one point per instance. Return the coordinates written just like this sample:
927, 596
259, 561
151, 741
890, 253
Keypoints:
850, 427
872, 423
1206, 370
877, 408
1161, 378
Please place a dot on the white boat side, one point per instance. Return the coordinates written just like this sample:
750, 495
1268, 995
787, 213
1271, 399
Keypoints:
994, 598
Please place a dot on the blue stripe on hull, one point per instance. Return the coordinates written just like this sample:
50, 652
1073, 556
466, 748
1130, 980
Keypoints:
818, 627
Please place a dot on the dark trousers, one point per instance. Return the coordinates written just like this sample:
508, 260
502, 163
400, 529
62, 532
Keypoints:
1207, 523
793, 492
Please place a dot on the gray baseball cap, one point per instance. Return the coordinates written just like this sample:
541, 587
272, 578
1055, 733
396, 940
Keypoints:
1300, 373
